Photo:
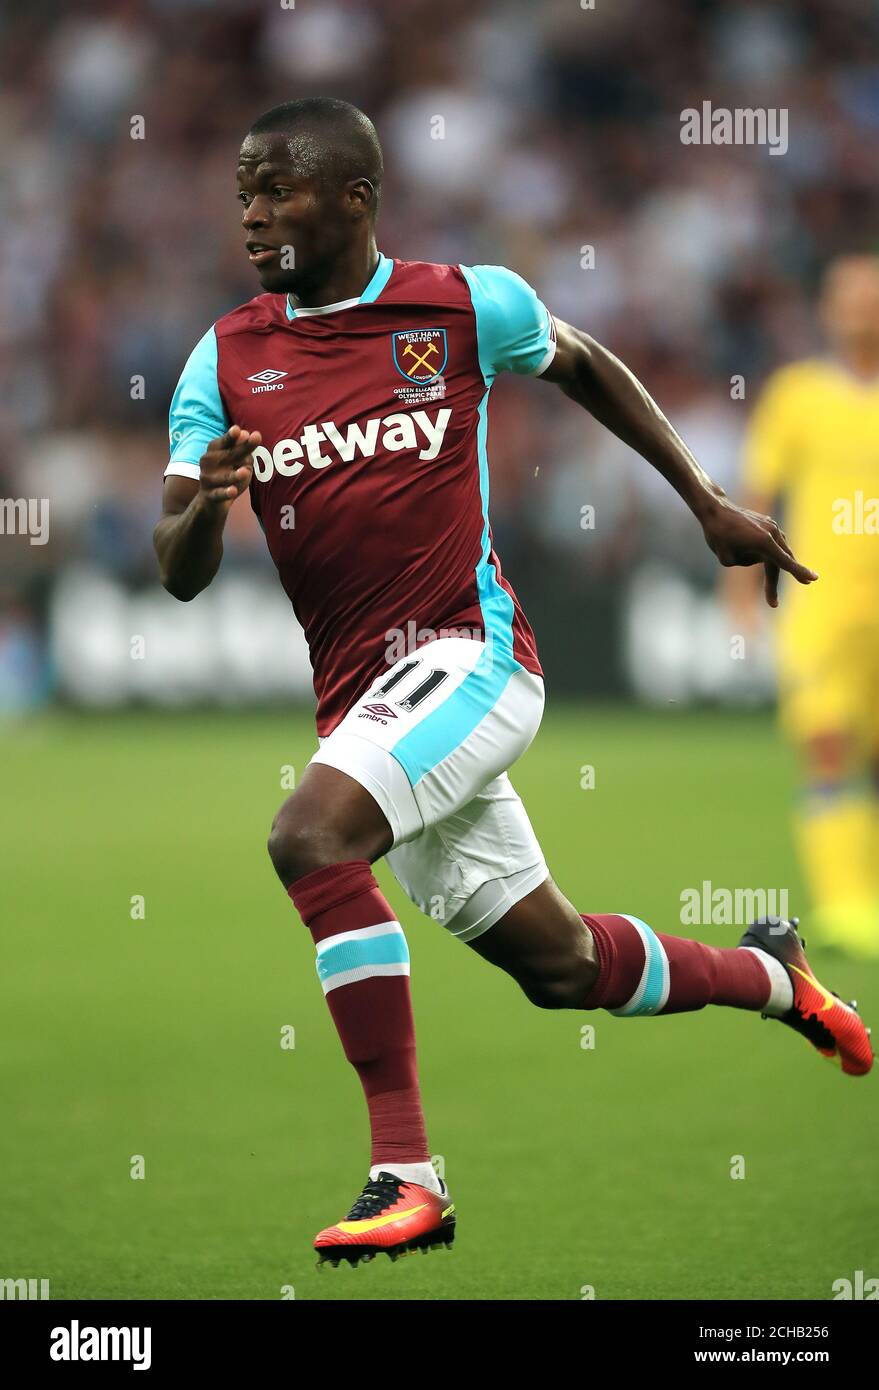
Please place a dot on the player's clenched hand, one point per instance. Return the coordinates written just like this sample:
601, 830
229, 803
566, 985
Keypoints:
741, 537
227, 466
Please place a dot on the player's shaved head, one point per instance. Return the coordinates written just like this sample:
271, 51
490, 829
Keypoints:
850, 306
309, 178
327, 139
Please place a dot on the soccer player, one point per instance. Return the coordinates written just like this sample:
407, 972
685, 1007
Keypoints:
814, 448
350, 400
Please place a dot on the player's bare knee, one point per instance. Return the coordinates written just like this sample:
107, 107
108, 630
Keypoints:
310, 833
299, 843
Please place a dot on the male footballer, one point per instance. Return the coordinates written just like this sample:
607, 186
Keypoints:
350, 400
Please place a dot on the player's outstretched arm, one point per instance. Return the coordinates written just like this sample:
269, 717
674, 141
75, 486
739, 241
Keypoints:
598, 381
188, 538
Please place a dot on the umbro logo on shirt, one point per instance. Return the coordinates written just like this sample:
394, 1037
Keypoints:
267, 380
321, 445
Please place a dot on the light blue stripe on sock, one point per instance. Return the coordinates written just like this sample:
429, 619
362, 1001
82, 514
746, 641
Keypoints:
652, 992
389, 949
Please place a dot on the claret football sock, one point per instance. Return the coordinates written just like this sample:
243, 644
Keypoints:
363, 966
643, 972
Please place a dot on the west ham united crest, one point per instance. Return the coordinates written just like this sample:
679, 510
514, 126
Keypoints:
420, 354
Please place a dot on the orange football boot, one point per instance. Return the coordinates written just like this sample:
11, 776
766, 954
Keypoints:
831, 1026
390, 1217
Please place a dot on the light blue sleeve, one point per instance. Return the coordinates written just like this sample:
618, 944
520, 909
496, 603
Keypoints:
514, 329
197, 412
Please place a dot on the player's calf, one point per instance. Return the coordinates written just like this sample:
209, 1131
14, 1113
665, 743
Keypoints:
549, 991
542, 944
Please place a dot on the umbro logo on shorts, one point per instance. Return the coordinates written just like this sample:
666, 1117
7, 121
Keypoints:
381, 710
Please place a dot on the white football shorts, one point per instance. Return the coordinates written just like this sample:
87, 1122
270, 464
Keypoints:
431, 740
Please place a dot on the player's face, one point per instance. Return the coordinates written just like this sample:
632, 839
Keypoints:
295, 227
850, 306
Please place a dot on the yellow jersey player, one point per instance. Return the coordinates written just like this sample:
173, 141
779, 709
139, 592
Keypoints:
813, 448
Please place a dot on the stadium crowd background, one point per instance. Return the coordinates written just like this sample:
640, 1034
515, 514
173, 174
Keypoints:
560, 132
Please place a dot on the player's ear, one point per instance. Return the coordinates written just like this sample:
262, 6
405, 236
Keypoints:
361, 196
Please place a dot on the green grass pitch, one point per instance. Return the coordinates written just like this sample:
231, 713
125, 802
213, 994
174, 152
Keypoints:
571, 1167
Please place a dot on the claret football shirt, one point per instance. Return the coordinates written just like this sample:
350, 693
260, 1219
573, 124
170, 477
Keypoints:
371, 483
